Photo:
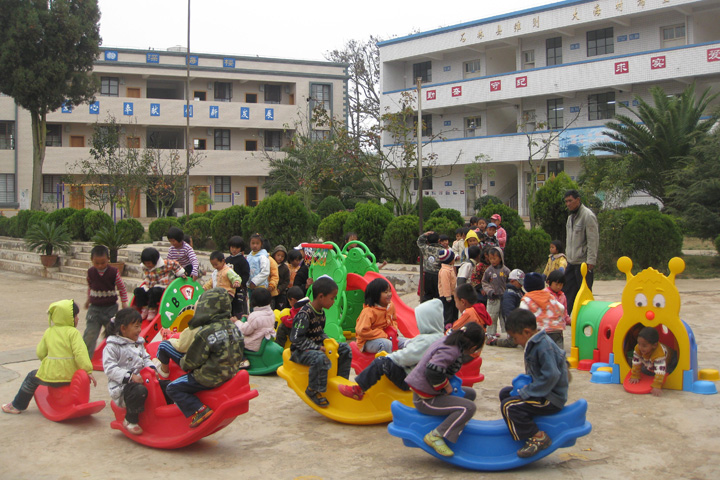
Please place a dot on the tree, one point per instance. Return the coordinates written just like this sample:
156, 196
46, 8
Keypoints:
166, 177
47, 51
549, 206
663, 133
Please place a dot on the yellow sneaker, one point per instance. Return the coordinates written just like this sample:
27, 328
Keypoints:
436, 441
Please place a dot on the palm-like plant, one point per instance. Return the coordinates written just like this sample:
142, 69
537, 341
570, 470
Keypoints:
48, 237
113, 238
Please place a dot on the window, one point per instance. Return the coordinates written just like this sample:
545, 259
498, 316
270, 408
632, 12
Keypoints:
427, 183
423, 71
222, 190
250, 145
426, 126
472, 126
528, 121
555, 113
109, 86
318, 135
251, 196
7, 188
7, 135
528, 59
50, 183
601, 106
273, 93
273, 140
554, 167
553, 50
600, 42
472, 68
673, 36
132, 142
222, 139
199, 96
320, 97
251, 98
200, 143
223, 91
54, 136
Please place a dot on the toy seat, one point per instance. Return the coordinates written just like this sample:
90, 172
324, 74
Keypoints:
71, 401
470, 372
267, 359
373, 408
361, 360
164, 426
173, 368
487, 445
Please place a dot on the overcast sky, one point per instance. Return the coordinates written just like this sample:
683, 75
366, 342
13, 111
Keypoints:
281, 28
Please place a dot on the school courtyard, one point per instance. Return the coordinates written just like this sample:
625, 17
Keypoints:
635, 437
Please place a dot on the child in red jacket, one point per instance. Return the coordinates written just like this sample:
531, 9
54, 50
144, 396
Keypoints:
296, 299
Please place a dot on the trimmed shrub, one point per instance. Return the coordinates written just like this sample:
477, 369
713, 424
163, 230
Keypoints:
96, 220
200, 229
133, 228
331, 227
158, 228
610, 226
281, 219
4, 226
511, 221
226, 223
11, 227
38, 216
549, 209
400, 239
211, 214
23, 219
481, 202
329, 205
183, 219
60, 215
75, 224
651, 239
717, 244
369, 221
429, 206
441, 225
450, 214
527, 249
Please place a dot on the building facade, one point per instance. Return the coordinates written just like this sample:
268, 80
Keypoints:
493, 86
243, 110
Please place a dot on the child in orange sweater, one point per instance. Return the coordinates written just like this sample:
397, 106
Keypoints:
466, 301
447, 282
377, 316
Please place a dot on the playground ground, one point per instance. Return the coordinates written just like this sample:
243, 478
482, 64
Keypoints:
638, 437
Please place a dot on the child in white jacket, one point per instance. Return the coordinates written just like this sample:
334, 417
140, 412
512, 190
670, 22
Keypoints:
260, 323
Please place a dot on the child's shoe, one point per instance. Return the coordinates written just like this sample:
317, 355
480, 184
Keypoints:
436, 441
133, 428
534, 445
317, 398
200, 416
161, 369
9, 408
491, 339
352, 391
245, 364
144, 313
151, 313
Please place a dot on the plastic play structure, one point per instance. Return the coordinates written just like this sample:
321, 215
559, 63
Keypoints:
164, 426
71, 401
373, 408
266, 360
604, 333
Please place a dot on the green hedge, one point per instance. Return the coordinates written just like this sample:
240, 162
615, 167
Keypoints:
651, 239
200, 229
451, 214
38, 216
281, 219
527, 249
441, 225
369, 221
400, 239
511, 220
227, 223
331, 228
95, 221
5, 226
158, 228
75, 224
549, 209
60, 215
429, 206
23, 220
328, 206
133, 228
481, 202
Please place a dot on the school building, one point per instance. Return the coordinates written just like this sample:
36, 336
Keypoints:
491, 86
242, 110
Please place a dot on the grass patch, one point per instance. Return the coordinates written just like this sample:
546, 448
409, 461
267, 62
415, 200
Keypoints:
693, 243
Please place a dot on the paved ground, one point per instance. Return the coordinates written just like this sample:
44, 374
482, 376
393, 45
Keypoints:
638, 437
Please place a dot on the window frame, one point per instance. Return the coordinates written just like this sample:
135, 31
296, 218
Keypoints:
107, 87
315, 100
224, 134
553, 51
7, 135
224, 193
527, 65
270, 136
601, 106
603, 35
248, 142
200, 143
51, 181
53, 139
466, 126
268, 88
422, 70
226, 88
555, 121
427, 181
7, 192
554, 167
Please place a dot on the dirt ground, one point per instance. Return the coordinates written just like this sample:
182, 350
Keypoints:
638, 437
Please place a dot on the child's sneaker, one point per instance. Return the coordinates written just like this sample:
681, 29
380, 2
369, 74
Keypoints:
151, 313
245, 364
133, 428
491, 339
352, 391
144, 313
163, 372
9, 408
200, 416
534, 445
436, 441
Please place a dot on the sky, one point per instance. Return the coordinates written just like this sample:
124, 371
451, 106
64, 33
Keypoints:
281, 28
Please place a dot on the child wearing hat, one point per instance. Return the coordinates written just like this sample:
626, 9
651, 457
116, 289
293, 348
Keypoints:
501, 233
490, 238
447, 282
510, 301
549, 312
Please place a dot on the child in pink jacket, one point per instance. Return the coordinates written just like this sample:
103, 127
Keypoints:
261, 322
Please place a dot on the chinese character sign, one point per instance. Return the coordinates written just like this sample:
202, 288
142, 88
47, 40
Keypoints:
214, 111
154, 109
152, 58
457, 91
228, 62
269, 114
111, 55
244, 113
657, 62
193, 60
430, 95
66, 108
495, 85
95, 108
185, 111
127, 108
622, 67
521, 82
713, 55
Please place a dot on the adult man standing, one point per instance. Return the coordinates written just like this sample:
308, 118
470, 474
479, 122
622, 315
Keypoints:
582, 245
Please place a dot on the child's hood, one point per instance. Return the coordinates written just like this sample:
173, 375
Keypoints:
499, 251
61, 314
212, 306
279, 248
120, 340
429, 316
471, 234
541, 297
160, 263
260, 253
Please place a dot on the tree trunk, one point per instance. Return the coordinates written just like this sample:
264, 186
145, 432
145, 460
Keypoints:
39, 132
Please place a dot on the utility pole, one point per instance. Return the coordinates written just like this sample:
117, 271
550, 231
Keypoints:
420, 179
187, 118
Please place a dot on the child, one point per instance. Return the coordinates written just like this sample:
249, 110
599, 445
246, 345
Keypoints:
260, 323
490, 238
280, 292
467, 267
556, 259
472, 311
223, 276
158, 275
123, 358
549, 313
555, 282
459, 244
546, 394
447, 282
61, 352
473, 223
350, 238
103, 282
429, 248
214, 357
651, 358
477, 275
501, 234
299, 271
510, 301
398, 364
481, 226
430, 383
444, 241
240, 265
182, 252
378, 314
494, 284
296, 299
259, 263
471, 238
307, 336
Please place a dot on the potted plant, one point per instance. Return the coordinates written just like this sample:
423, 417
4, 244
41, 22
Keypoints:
114, 239
48, 237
